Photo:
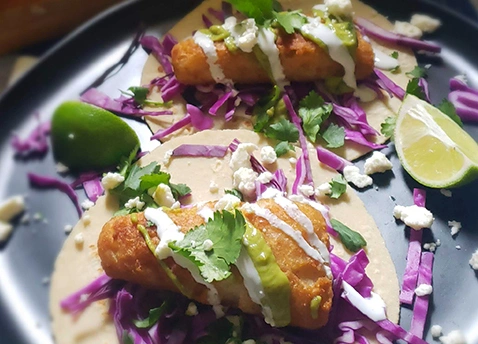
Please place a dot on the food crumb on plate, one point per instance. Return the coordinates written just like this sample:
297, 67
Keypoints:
446, 192
454, 337
436, 331
68, 229
423, 289
455, 227
425, 23
474, 260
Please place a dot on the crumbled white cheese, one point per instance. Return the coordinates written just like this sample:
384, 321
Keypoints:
307, 190
227, 202
352, 175
163, 196
25, 219
244, 179
111, 180
208, 245
60, 168
87, 204
167, 157
5, 231
135, 203
446, 193
462, 78
176, 205
425, 23
11, 208
436, 331
37, 216
249, 341
248, 39
454, 337
407, 29
455, 227
474, 260
268, 155
213, 187
458, 247
428, 66
219, 311
340, 8
423, 289
297, 198
377, 163
242, 156
86, 219
414, 216
68, 229
265, 177
432, 246
79, 240
192, 309
271, 193
323, 189
292, 161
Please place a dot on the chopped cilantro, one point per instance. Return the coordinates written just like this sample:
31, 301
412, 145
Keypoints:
265, 109
152, 318
338, 186
418, 72
236, 193
290, 21
334, 136
283, 147
225, 231
314, 112
448, 109
140, 95
413, 87
388, 126
179, 190
260, 10
284, 130
126, 338
394, 54
352, 240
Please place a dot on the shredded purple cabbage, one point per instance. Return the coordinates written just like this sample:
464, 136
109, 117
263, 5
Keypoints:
152, 44
123, 105
354, 116
388, 85
466, 104
85, 177
49, 182
93, 189
200, 150
331, 159
423, 83
199, 120
35, 143
160, 134
357, 137
375, 31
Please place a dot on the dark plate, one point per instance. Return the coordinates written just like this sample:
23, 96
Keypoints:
27, 259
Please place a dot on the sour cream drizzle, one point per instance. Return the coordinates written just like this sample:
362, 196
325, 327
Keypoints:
337, 50
266, 41
384, 61
167, 232
372, 307
283, 226
209, 49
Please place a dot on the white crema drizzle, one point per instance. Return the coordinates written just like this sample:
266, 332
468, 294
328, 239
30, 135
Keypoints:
384, 61
209, 49
266, 41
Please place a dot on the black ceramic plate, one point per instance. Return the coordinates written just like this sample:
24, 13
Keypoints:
26, 260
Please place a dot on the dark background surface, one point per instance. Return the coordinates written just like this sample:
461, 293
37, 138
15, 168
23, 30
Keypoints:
72, 66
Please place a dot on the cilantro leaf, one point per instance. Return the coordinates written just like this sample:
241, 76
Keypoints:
313, 112
388, 126
225, 231
352, 240
283, 147
413, 87
126, 338
338, 186
394, 54
235, 192
264, 110
140, 96
260, 10
127, 161
334, 136
133, 180
152, 318
418, 72
179, 190
154, 179
284, 130
290, 21
448, 109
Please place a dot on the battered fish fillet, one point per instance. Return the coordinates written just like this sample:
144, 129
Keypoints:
302, 60
125, 255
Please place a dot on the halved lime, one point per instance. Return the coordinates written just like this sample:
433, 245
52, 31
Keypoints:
432, 148
87, 137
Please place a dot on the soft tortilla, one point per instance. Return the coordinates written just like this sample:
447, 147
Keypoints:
76, 266
377, 111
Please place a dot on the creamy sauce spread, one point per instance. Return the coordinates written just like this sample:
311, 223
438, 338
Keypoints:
337, 50
373, 307
266, 41
209, 49
384, 61
168, 232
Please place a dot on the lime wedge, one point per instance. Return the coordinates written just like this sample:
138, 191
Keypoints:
432, 148
87, 137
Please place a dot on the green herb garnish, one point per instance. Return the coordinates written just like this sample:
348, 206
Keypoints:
388, 126
283, 147
334, 136
236, 193
338, 186
448, 109
313, 111
152, 318
352, 240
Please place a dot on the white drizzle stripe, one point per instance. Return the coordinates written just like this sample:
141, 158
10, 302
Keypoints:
266, 41
373, 307
384, 61
337, 50
209, 49
291, 232
167, 232
253, 283
295, 213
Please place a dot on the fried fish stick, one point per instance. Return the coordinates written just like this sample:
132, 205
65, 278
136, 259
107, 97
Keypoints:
302, 60
125, 255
